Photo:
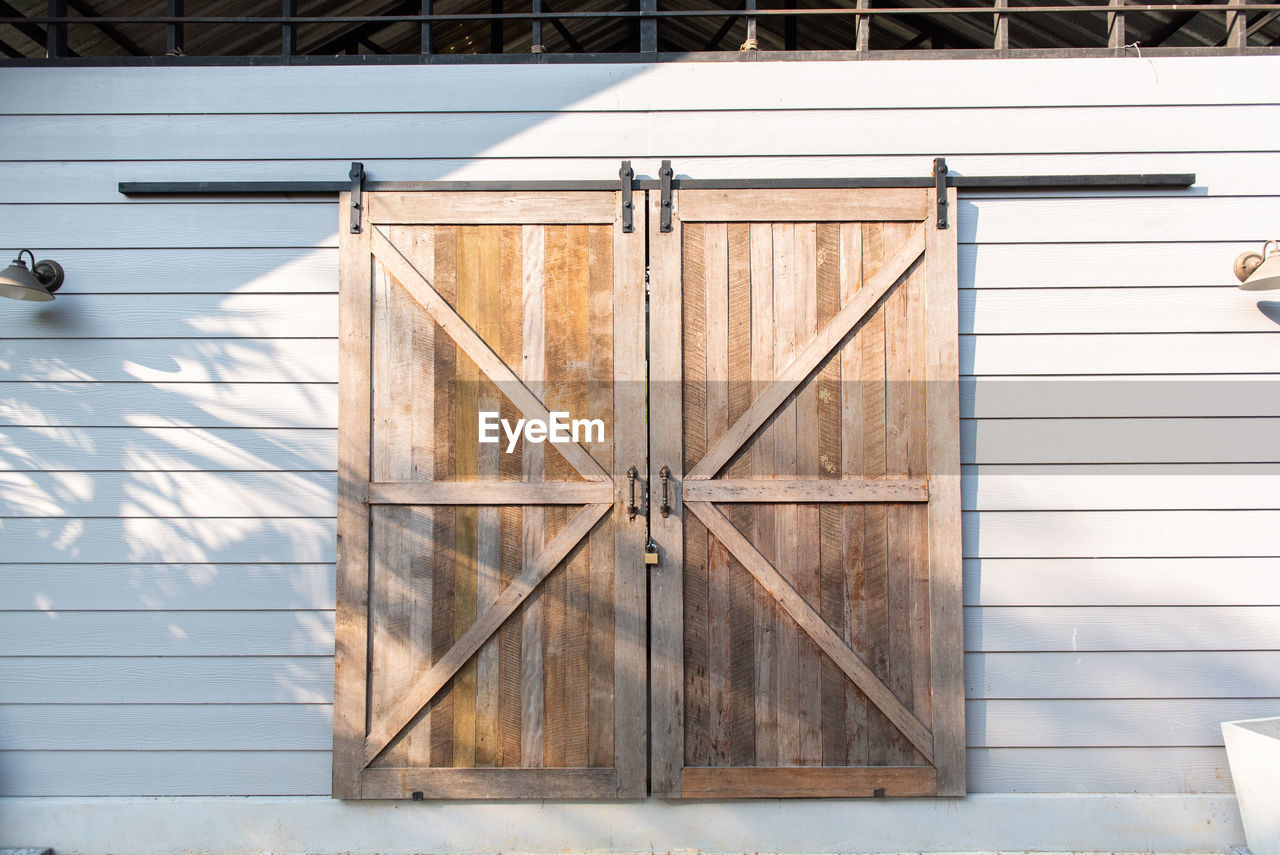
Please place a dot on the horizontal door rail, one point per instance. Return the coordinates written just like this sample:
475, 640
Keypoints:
1150, 180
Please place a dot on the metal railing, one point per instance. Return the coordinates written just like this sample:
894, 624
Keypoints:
1241, 21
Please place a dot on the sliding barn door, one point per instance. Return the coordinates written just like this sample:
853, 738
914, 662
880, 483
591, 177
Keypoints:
490, 634
806, 636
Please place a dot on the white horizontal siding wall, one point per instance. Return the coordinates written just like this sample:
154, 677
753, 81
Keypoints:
167, 443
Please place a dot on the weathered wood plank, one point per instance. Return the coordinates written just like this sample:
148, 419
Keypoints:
630, 579
795, 783
445, 463
467, 544
764, 519
489, 518
511, 468
835, 737
600, 561
555, 630
852, 438
575, 376
697, 546
481, 783
776, 206
666, 639
945, 572
532, 686
741, 585
716, 333
773, 491
520, 209
806, 573
788, 307
489, 493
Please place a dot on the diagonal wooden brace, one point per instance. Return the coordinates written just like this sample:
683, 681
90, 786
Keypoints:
815, 627
809, 358
477, 349
381, 734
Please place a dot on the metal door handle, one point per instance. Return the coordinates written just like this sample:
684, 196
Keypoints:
632, 510
665, 508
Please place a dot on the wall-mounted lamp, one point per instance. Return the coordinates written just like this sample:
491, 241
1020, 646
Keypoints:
1259, 271
38, 283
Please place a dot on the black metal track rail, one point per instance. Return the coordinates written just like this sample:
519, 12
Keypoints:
1151, 180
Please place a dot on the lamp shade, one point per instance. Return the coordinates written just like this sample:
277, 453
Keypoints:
19, 283
1266, 277
1259, 271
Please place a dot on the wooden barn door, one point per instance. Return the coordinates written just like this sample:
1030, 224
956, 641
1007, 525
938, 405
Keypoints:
806, 635
491, 617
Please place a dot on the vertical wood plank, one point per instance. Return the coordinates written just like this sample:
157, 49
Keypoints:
600, 588
555, 630
716, 303
763, 330
788, 311
532, 680
851, 465
418, 242
391, 657
445, 450
351, 631
467, 565
630, 583
899, 434
875, 583
946, 623
807, 577
488, 517
741, 600
666, 638
697, 743
577, 566
510, 466
831, 517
